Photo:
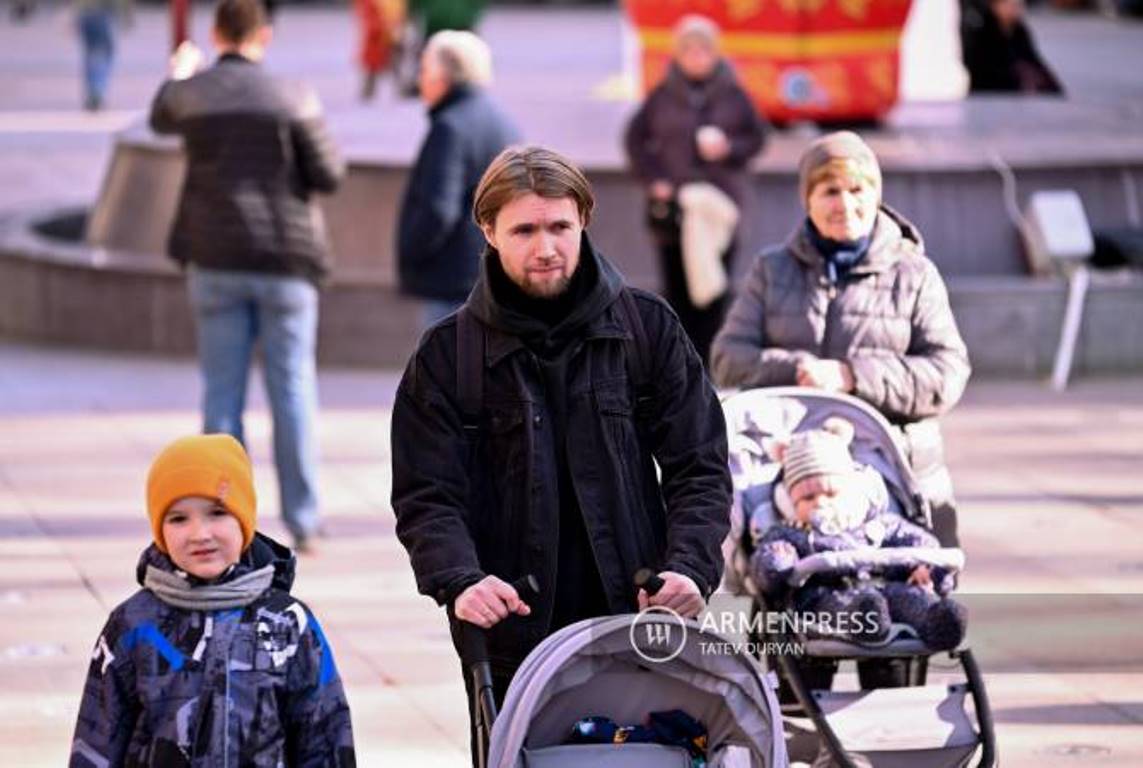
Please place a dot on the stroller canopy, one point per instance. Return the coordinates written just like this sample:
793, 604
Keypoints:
606, 667
755, 416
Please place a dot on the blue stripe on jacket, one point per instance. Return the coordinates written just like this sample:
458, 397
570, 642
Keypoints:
150, 634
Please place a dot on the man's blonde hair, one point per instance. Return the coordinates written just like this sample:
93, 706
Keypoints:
519, 170
464, 57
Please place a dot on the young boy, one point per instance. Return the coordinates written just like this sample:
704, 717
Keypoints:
211, 662
833, 504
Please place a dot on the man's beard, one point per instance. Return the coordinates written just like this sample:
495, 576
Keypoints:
549, 290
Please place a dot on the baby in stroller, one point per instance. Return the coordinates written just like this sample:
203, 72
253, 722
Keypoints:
830, 503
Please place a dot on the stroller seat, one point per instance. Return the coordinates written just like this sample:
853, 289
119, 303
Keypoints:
903, 647
862, 727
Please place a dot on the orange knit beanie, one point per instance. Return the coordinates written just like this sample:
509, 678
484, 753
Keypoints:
212, 466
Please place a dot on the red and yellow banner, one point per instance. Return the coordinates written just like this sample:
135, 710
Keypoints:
799, 59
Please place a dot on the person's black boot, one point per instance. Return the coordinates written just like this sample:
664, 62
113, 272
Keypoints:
944, 625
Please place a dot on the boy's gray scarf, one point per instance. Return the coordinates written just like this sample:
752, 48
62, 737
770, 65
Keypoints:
239, 592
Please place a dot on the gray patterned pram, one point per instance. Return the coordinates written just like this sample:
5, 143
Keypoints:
616, 667
916, 725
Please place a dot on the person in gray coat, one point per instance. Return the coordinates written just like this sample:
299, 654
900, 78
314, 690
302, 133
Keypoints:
850, 303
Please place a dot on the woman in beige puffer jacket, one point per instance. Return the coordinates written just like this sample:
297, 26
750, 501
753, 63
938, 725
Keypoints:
850, 303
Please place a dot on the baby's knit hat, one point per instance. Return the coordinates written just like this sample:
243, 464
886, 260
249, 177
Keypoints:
818, 458
213, 466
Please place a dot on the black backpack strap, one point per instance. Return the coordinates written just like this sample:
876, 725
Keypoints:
639, 363
469, 369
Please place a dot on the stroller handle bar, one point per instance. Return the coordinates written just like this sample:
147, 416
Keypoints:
648, 581
474, 639
873, 560
474, 655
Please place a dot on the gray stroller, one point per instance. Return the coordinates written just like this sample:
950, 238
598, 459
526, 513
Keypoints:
622, 667
886, 727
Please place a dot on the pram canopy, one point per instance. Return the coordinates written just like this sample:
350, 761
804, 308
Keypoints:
756, 416
599, 667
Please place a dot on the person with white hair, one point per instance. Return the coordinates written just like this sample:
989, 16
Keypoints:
438, 243
689, 144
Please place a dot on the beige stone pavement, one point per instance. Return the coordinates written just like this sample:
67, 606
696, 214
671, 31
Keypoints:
1052, 511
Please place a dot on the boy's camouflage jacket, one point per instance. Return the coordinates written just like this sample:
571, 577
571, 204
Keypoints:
253, 686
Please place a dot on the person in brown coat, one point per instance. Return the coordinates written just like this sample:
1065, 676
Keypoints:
697, 126
850, 303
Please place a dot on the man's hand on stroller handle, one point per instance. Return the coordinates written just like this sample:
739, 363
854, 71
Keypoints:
489, 601
678, 592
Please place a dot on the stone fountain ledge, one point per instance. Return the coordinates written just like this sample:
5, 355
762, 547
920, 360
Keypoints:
69, 293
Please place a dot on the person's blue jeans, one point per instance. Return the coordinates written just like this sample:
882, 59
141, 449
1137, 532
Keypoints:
233, 311
97, 32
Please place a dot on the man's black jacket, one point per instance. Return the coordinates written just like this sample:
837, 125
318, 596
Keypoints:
438, 243
256, 148
471, 506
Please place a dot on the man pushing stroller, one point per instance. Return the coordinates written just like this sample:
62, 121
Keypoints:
528, 426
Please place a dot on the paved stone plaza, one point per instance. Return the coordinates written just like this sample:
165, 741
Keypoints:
559, 72
1052, 517
1051, 486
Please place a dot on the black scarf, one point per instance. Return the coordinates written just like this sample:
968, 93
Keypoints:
546, 325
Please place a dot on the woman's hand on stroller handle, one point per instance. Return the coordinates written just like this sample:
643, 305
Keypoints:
491, 600
677, 592
830, 375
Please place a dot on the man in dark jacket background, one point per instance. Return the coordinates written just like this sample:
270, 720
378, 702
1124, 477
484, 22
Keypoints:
438, 245
252, 238
527, 429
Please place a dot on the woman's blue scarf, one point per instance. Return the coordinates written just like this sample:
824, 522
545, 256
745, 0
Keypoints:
839, 255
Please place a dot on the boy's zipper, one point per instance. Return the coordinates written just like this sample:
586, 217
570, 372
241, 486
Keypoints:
226, 715
207, 631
